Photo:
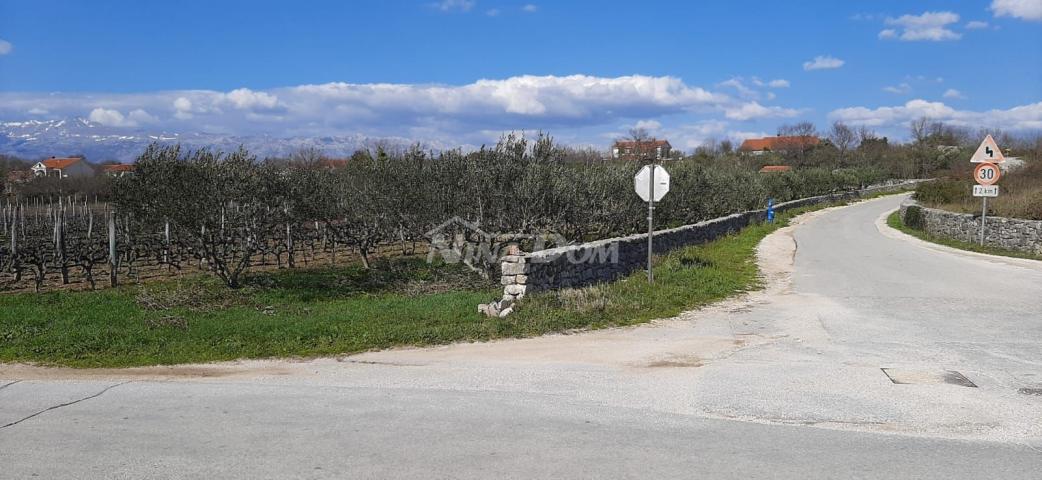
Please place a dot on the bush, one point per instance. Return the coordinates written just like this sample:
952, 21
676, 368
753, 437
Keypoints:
942, 191
914, 217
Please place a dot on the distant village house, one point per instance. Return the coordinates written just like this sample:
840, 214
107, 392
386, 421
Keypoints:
117, 169
645, 149
759, 146
63, 168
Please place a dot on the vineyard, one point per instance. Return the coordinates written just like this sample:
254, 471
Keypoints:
229, 213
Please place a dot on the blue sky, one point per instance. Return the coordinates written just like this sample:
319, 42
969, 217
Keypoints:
465, 71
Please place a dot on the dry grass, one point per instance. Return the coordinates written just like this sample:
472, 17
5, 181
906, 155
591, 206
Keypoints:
1020, 194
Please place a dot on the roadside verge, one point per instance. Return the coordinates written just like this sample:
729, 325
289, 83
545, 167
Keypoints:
891, 225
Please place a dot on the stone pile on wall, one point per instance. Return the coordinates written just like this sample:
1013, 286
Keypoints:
1008, 233
610, 259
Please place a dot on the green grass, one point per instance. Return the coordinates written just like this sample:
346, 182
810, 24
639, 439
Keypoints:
308, 313
684, 279
895, 221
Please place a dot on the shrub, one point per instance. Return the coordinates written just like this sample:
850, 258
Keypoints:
942, 191
914, 217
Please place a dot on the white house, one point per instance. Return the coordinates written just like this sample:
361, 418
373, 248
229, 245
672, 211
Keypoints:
63, 168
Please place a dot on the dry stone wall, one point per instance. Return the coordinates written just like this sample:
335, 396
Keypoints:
610, 259
1007, 233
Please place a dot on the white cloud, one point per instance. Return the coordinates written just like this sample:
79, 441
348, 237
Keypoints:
738, 84
745, 91
976, 25
1023, 9
556, 98
529, 8
109, 117
182, 108
455, 5
447, 114
929, 26
694, 135
753, 110
823, 62
650, 125
902, 89
953, 93
37, 111
1024, 117
246, 99
5, 47
140, 116
183, 104
113, 118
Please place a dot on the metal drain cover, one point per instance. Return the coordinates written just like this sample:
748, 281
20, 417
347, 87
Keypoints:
903, 376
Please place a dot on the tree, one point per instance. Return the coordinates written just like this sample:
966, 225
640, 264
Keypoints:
801, 129
223, 205
842, 137
919, 129
795, 147
865, 134
640, 138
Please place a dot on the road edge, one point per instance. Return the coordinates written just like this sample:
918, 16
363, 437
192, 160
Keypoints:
891, 232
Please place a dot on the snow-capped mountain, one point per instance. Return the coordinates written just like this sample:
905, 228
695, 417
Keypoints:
32, 139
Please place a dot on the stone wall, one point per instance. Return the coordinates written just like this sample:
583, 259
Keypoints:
1008, 233
610, 259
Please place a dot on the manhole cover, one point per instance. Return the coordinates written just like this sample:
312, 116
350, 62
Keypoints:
1031, 391
902, 376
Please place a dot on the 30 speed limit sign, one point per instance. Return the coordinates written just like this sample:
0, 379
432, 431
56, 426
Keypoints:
987, 173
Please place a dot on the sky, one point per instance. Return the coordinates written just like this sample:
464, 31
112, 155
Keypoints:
466, 71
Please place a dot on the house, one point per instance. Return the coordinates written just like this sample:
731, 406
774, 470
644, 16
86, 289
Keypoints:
775, 168
758, 146
118, 169
64, 167
644, 149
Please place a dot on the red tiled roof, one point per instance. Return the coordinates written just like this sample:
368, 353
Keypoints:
60, 163
118, 168
775, 168
777, 143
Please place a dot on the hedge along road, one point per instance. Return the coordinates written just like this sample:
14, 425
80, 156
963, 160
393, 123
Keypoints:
659, 400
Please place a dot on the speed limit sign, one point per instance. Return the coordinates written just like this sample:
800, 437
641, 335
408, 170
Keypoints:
987, 173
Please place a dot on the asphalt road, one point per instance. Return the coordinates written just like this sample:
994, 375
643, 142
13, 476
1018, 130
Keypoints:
785, 383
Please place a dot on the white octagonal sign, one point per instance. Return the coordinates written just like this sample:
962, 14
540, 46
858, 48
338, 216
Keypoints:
661, 181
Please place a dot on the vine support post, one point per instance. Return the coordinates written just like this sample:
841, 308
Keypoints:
112, 249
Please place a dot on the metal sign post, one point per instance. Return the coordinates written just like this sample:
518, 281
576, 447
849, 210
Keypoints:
651, 183
987, 173
983, 215
651, 221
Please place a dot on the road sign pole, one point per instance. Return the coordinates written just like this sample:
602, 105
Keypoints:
983, 214
651, 220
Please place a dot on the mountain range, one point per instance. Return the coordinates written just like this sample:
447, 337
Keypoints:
34, 139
